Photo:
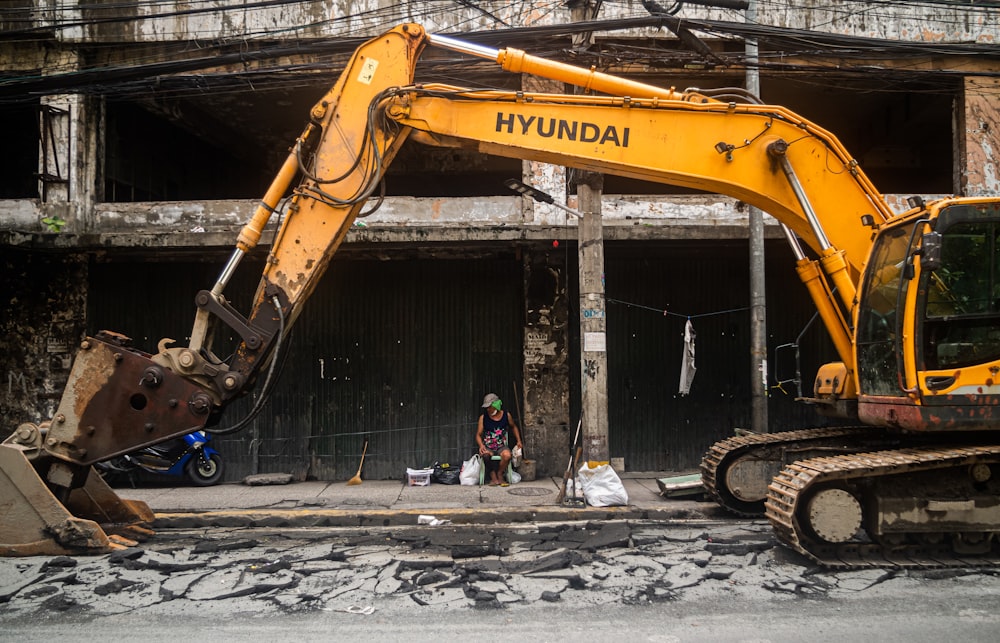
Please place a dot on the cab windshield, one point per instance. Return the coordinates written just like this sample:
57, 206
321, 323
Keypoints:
884, 290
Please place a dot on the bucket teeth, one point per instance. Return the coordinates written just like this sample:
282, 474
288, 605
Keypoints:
33, 522
120, 541
137, 532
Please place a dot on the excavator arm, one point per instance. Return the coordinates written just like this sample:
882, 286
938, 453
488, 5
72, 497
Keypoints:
119, 399
761, 155
764, 155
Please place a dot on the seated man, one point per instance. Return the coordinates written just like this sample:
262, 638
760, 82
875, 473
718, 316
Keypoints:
492, 436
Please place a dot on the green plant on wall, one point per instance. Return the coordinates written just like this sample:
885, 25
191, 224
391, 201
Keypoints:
54, 223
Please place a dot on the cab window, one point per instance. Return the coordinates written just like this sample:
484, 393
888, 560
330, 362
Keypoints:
962, 312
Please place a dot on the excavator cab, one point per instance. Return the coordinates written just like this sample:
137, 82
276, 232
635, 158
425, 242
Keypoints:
958, 327
935, 278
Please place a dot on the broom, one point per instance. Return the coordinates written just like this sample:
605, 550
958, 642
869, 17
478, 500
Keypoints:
357, 476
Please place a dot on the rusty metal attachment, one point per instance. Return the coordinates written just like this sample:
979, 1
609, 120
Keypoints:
91, 520
116, 400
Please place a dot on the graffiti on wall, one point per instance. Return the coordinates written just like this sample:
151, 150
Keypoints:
17, 385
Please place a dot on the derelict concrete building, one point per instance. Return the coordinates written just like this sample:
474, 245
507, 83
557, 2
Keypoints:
139, 137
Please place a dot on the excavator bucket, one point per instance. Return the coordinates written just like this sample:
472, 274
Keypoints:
33, 522
116, 400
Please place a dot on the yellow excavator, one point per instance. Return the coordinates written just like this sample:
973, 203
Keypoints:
911, 302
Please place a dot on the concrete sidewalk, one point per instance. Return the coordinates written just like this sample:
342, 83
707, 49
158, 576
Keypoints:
387, 502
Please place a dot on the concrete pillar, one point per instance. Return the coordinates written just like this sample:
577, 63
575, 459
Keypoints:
979, 138
593, 327
50, 317
758, 324
548, 424
71, 158
546, 361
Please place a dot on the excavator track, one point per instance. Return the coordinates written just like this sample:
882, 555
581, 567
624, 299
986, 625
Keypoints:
772, 451
818, 496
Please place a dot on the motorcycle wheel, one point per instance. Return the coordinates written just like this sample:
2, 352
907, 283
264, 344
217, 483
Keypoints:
205, 472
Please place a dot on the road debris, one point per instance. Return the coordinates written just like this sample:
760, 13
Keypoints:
441, 566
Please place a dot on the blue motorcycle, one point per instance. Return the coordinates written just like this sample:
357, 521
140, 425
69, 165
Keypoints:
188, 456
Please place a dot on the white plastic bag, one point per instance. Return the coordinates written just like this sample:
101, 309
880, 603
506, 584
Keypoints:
515, 456
601, 486
470, 470
515, 477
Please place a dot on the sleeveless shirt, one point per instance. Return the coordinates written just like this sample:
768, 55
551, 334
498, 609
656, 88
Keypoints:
495, 432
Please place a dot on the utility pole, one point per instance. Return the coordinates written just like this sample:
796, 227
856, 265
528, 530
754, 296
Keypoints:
593, 323
758, 308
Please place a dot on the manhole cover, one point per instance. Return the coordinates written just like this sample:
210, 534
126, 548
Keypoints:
529, 491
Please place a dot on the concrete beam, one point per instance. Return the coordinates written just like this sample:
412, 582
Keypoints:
200, 225
404, 212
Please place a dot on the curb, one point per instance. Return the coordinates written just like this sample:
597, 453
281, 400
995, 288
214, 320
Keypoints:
389, 518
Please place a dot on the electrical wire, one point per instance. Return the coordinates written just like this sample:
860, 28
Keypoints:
177, 74
370, 151
784, 40
668, 313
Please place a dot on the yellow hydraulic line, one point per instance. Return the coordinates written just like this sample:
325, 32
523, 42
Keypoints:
832, 259
812, 277
252, 231
835, 265
250, 234
519, 62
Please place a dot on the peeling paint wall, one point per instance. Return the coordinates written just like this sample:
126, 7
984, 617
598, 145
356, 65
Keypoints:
925, 22
44, 302
980, 126
547, 423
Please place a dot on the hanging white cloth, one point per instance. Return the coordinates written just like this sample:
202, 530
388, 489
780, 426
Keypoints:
687, 363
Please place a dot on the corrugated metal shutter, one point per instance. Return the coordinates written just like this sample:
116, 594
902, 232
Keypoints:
400, 352
650, 424
397, 352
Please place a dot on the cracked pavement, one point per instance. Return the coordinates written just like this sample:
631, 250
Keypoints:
445, 567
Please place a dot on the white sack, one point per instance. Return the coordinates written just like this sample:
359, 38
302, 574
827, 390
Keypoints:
601, 486
469, 475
